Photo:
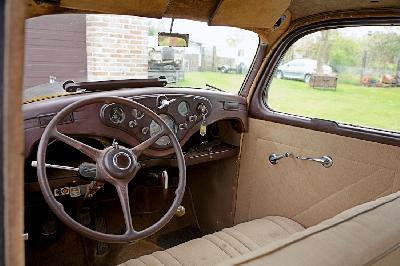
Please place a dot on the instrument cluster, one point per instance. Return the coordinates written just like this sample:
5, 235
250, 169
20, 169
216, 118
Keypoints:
180, 112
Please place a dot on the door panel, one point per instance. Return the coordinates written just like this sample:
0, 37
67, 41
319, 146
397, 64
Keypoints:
305, 191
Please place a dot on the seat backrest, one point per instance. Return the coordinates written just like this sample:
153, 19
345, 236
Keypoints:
368, 234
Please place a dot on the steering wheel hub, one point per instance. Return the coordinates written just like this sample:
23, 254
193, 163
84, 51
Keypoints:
120, 163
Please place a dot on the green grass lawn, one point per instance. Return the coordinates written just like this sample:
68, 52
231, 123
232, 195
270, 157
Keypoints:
351, 104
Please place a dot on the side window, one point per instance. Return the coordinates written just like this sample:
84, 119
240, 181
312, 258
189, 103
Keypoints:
348, 75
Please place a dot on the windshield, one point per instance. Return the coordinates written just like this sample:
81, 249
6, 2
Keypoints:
112, 47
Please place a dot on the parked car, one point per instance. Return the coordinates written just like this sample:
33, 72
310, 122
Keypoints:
300, 69
239, 69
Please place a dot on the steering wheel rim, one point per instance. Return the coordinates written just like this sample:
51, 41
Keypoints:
120, 183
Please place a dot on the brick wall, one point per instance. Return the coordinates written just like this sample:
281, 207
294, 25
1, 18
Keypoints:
116, 47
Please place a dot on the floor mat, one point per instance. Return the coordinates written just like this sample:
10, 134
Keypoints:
120, 253
179, 236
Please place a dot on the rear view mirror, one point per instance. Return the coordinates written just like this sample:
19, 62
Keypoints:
173, 39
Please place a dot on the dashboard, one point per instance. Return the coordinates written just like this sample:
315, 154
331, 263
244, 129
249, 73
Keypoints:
180, 112
188, 112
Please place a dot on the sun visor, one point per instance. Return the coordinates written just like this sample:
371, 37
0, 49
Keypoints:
145, 8
249, 13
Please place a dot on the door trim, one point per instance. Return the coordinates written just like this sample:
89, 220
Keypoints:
12, 132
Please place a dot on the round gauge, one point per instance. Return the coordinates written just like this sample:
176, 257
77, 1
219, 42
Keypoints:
155, 128
183, 108
137, 114
117, 115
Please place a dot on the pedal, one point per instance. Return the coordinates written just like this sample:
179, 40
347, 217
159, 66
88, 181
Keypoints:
83, 216
49, 225
164, 182
101, 226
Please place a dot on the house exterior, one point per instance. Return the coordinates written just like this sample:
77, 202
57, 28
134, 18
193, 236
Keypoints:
85, 47
193, 54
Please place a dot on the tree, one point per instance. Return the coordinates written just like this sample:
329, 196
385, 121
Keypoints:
384, 49
306, 47
344, 52
323, 51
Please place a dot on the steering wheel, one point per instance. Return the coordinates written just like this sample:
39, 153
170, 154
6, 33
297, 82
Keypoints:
115, 165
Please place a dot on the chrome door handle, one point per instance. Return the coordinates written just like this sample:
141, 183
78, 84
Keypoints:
273, 158
325, 160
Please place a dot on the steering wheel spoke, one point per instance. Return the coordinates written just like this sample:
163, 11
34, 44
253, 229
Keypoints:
85, 149
138, 150
123, 195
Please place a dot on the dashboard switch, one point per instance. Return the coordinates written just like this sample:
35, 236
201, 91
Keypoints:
192, 118
183, 126
231, 106
145, 130
162, 101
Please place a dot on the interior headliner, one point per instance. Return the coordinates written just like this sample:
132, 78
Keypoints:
236, 13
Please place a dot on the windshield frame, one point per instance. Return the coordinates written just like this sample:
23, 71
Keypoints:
255, 66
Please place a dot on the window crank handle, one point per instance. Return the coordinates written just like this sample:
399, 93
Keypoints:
274, 158
325, 160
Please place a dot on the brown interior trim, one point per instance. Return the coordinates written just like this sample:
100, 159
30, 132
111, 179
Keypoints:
213, 11
258, 108
2, 174
254, 68
12, 132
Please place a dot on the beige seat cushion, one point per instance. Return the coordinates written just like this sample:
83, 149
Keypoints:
223, 245
368, 234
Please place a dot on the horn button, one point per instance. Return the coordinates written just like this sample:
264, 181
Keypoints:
120, 162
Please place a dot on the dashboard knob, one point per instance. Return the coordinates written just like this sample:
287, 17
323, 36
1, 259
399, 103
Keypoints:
145, 130
133, 123
202, 109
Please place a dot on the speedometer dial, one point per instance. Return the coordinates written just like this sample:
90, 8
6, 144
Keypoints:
117, 115
155, 128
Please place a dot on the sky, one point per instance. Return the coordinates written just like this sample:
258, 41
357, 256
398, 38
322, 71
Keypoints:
358, 32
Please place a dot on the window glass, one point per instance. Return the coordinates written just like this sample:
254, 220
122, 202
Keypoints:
94, 47
349, 75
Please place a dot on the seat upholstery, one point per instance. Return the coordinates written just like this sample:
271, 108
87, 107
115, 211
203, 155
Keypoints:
368, 234
223, 245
